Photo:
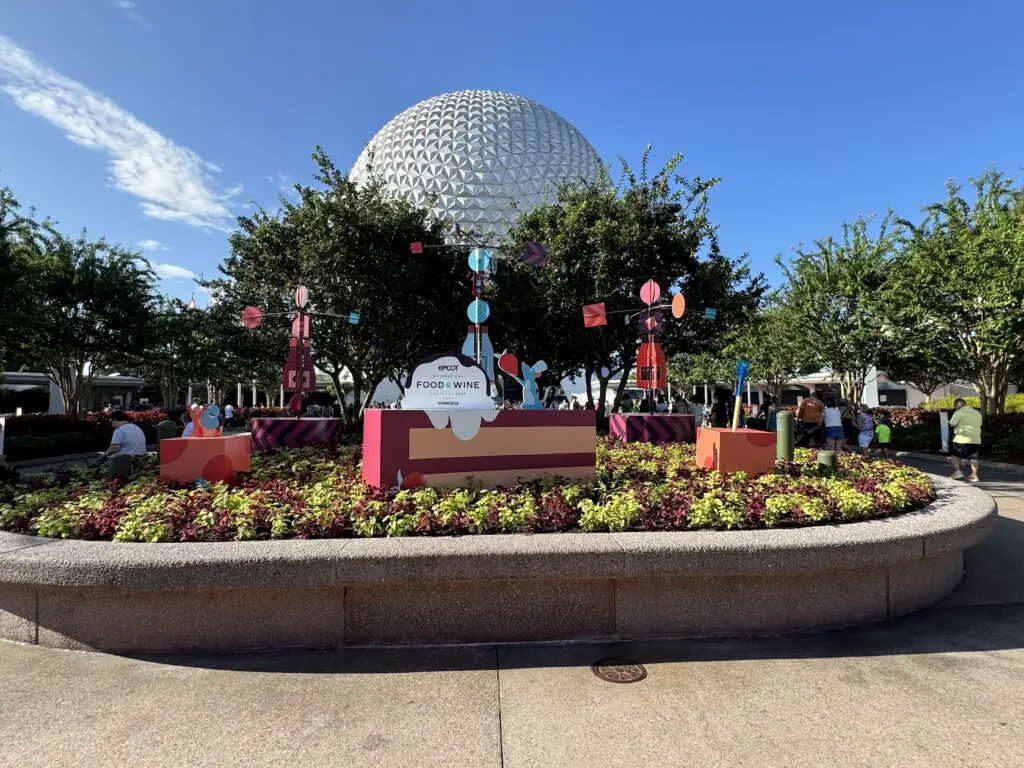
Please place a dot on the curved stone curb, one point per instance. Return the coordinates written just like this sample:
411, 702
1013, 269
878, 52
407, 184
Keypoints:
416, 589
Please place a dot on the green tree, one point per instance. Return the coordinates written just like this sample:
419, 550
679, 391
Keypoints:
20, 244
604, 241
169, 361
922, 355
94, 302
228, 354
836, 300
773, 346
960, 280
349, 244
701, 369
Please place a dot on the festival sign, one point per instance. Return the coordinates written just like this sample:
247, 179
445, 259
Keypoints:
452, 389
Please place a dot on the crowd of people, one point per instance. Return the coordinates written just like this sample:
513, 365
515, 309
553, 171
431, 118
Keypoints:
838, 426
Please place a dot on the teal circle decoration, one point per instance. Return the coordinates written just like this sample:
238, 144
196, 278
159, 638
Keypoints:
478, 311
479, 259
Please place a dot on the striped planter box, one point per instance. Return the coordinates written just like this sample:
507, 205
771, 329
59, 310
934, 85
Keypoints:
274, 434
517, 445
653, 428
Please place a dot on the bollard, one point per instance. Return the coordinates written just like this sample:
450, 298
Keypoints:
827, 462
164, 430
119, 465
784, 436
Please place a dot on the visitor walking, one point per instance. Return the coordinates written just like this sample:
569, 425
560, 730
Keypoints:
810, 415
662, 404
771, 409
229, 415
127, 437
865, 430
883, 434
833, 426
966, 426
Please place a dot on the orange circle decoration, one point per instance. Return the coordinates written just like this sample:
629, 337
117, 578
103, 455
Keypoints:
678, 305
252, 317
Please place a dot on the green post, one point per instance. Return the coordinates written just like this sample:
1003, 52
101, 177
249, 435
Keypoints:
119, 465
164, 430
784, 436
827, 462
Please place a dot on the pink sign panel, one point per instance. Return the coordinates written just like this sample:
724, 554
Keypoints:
300, 326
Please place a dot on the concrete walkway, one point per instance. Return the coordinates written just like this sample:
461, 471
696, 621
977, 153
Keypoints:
942, 688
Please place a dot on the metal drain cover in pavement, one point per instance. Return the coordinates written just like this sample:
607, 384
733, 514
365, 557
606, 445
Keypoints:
619, 670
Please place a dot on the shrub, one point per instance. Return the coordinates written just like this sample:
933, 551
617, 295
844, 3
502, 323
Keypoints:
1010, 447
38, 436
1014, 403
318, 493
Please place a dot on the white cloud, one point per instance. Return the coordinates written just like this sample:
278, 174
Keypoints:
172, 271
285, 185
152, 245
131, 12
173, 182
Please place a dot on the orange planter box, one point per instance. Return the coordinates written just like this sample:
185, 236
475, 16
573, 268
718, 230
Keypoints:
742, 450
214, 459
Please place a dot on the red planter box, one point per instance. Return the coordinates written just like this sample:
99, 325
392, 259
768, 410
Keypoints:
517, 445
741, 450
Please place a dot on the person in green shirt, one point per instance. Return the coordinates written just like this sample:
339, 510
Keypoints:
966, 426
883, 434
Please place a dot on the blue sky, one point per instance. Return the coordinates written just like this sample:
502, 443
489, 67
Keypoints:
156, 122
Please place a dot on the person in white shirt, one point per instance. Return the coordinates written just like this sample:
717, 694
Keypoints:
229, 415
127, 437
833, 426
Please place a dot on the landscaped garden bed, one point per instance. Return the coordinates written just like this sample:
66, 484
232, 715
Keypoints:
317, 493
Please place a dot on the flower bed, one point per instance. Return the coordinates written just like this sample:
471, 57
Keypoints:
314, 493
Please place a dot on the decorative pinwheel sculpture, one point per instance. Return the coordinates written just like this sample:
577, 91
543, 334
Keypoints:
650, 361
299, 376
483, 261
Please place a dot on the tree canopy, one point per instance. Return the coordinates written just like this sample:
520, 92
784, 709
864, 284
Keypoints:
604, 241
958, 287
349, 244
834, 297
92, 305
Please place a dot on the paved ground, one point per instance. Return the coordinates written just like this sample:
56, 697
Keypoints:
942, 688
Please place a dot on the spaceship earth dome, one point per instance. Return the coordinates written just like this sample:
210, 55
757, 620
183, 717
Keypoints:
477, 158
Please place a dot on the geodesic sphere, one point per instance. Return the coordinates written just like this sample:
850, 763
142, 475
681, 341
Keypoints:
477, 158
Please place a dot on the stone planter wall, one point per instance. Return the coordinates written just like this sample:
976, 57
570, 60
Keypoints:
423, 591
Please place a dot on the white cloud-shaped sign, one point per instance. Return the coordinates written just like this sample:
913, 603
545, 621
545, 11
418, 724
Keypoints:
451, 389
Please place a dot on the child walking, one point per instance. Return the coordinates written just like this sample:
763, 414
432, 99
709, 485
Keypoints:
883, 433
